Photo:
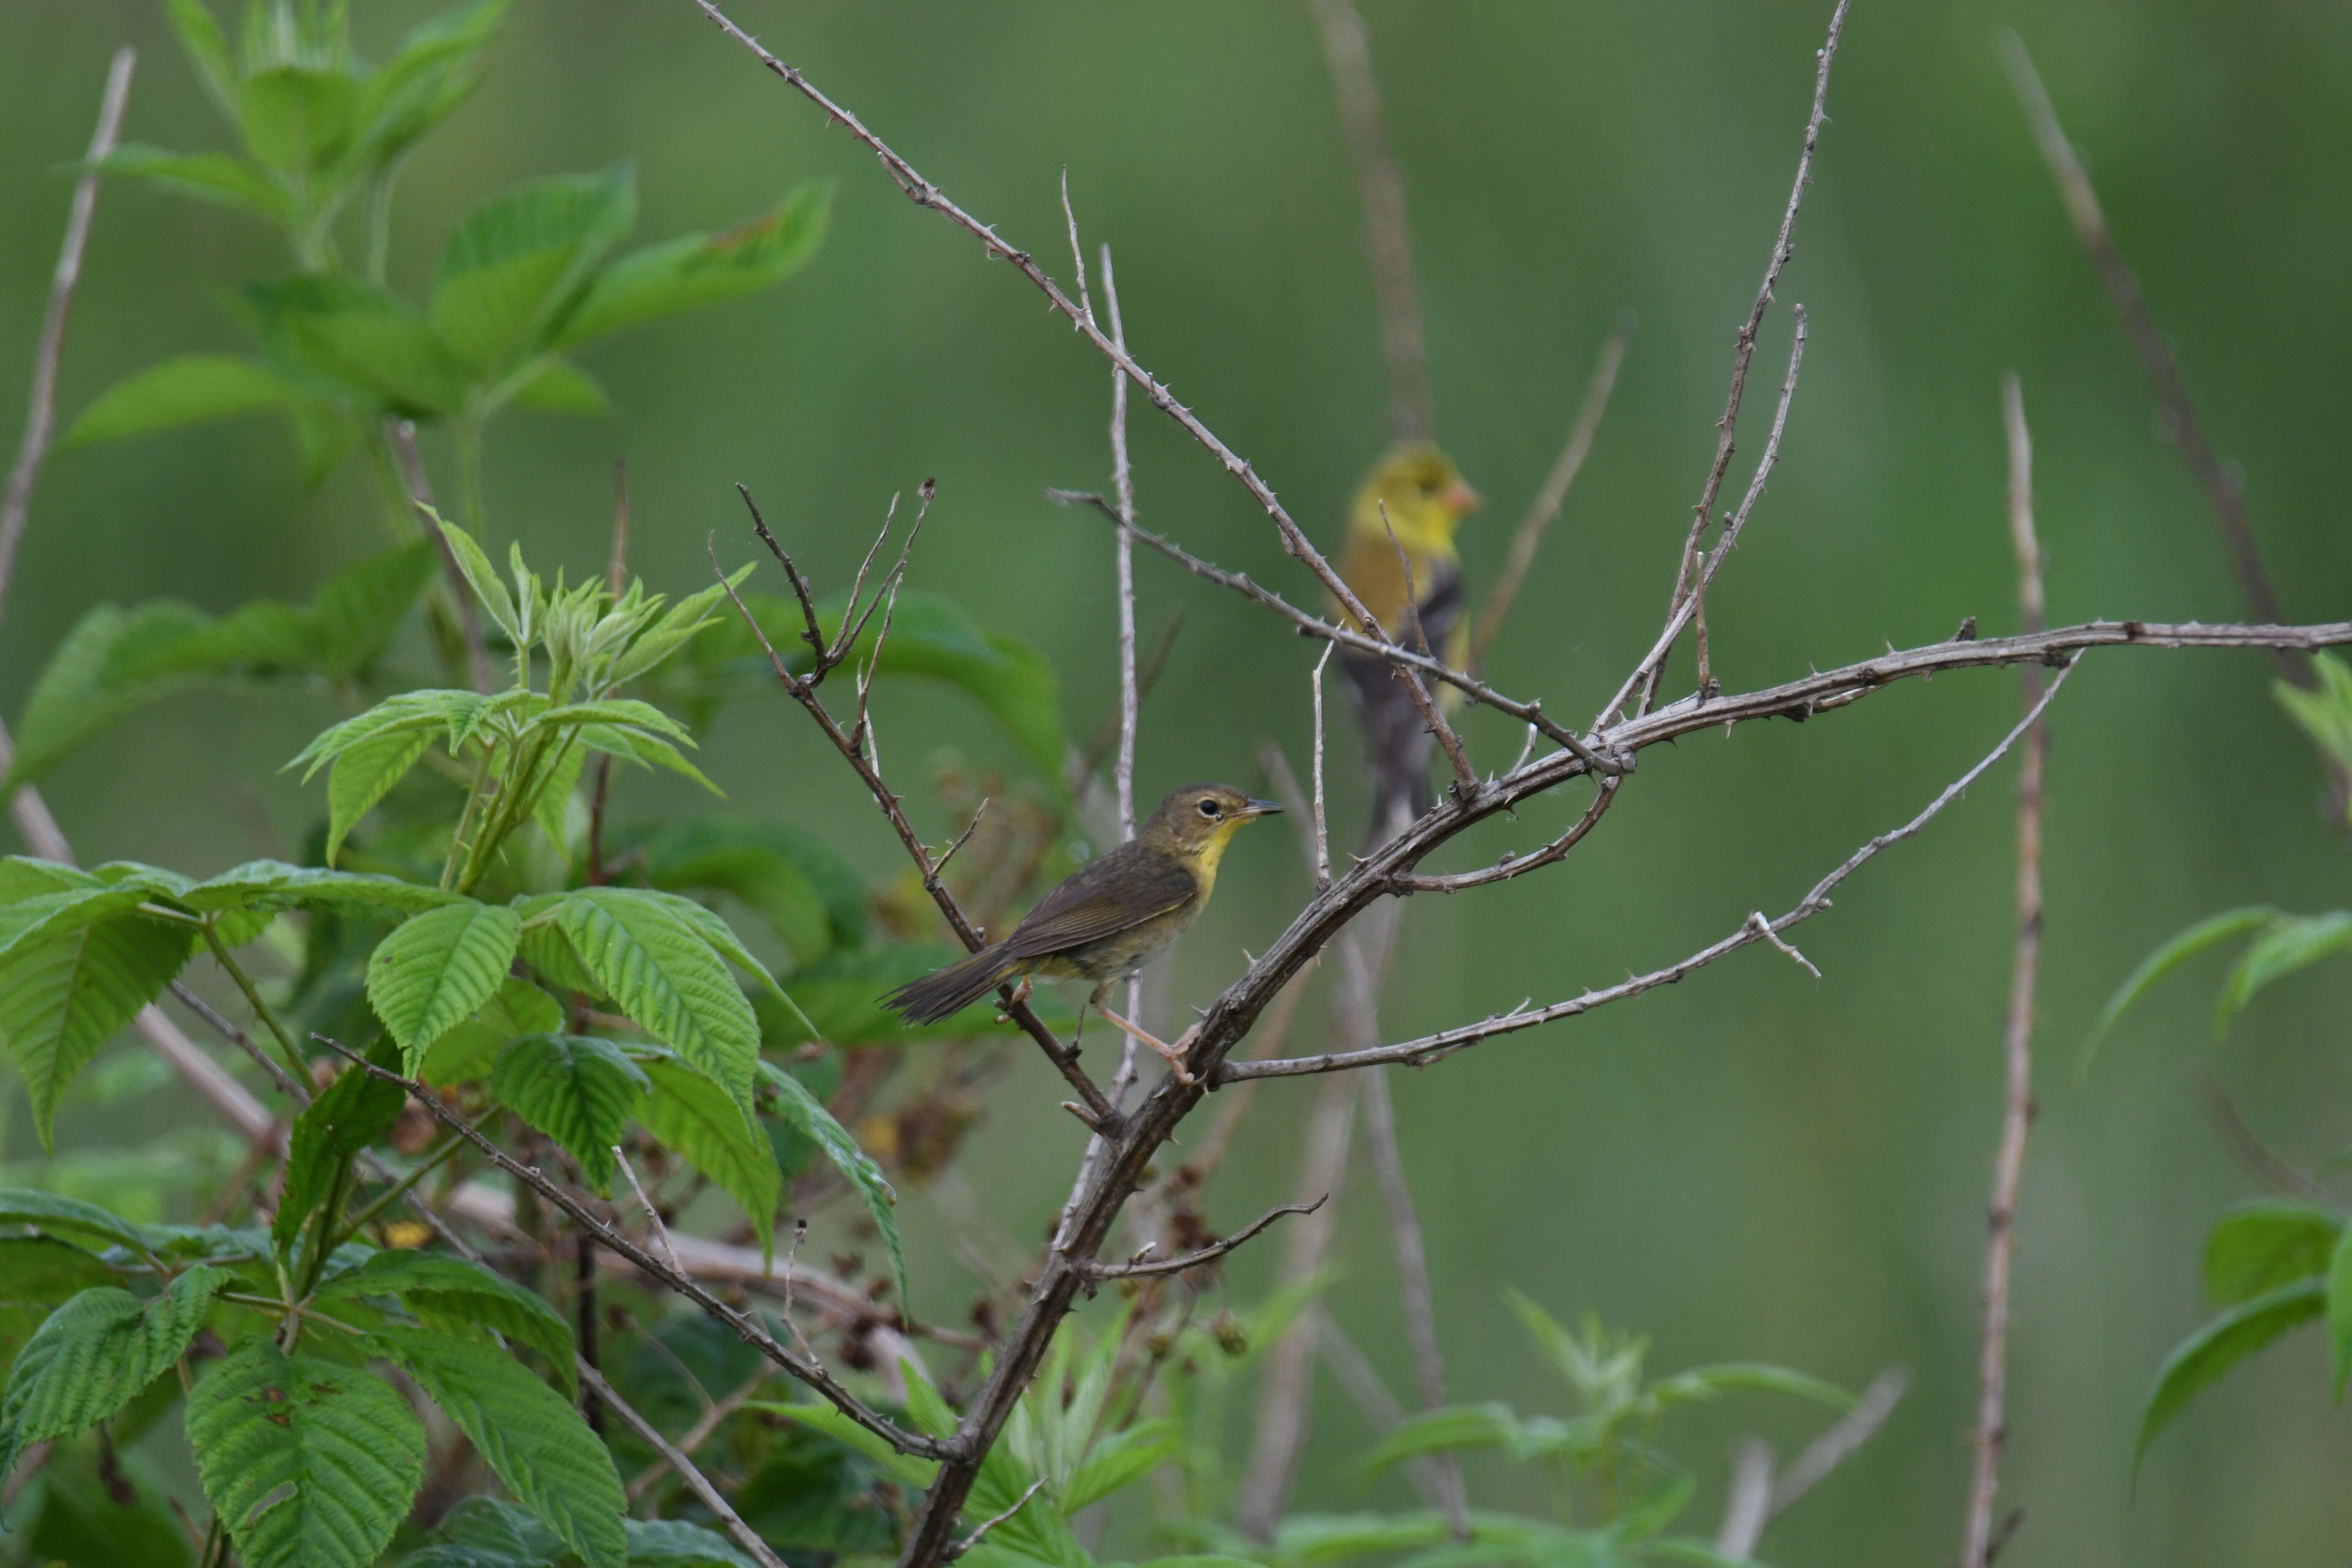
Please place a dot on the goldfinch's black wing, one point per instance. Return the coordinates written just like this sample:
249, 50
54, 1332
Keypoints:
1124, 888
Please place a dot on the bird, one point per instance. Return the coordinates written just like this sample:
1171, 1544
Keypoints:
1404, 516
1108, 918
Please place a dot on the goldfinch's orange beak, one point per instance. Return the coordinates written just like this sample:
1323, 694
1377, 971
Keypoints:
1459, 498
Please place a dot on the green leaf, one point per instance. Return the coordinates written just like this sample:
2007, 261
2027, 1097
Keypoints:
296, 119
1452, 1430
2340, 1313
697, 269
452, 1295
662, 971
363, 774
1119, 1460
2292, 943
188, 390
2211, 931
802, 1111
310, 1463
484, 579
649, 751
536, 1442
363, 337
514, 262
674, 1543
357, 610
700, 1120
116, 661
273, 884
2324, 715
433, 72
805, 889
92, 1354
352, 1113
2213, 1350
55, 1212
559, 386
207, 50
1707, 1382
468, 1051
215, 177
63, 998
2260, 1247
436, 968
579, 1090
459, 715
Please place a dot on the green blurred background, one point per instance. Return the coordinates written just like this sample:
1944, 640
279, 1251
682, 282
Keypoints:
1751, 1165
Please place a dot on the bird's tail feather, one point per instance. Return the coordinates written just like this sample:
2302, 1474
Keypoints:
946, 992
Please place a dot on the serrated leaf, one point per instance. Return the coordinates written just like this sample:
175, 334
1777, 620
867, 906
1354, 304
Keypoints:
430, 75
2262, 1245
274, 884
362, 775
188, 390
454, 713
2292, 943
2209, 932
702, 1122
483, 578
647, 751
663, 972
579, 1090
514, 262
451, 1295
363, 337
1119, 1460
350, 1113
310, 1464
55, 1211
536, 1442
697, 269
92, 1354
436, 968
2203, 1358
63, 998
802, 1111
550, 807
469, 1050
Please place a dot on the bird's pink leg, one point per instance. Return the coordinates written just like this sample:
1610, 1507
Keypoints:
1174, 1054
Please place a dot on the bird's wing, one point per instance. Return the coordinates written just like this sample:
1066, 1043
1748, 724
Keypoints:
1123, 888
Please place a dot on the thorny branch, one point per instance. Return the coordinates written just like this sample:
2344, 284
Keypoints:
803, 688
1139, 1268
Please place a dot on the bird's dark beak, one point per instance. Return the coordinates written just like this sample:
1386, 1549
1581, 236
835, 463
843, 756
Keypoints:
1259, 808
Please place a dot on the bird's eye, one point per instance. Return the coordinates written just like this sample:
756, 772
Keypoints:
1210, 808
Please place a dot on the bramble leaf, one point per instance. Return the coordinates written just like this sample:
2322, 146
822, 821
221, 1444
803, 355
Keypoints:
579, 1090
2201, 1359
661, 969
95, 1353
436, 968
2211, 931
802, 1111
697, 269
2259, 1246
454, 1296
188, 390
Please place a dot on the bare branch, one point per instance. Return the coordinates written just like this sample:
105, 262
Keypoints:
1750, 1504
1783, 246
1322, 826
1077, 252
1465, 777
41, 412
299, 1093
1546, 504
1834, 1447
1387, 241
2017, 1043
653, 1215
1512, 865
1763, 928
1433, 1048
1208, 1254
676, 1458
803, 691
748, 1327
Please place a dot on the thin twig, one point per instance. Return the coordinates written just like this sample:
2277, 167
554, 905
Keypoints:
613, 1240
2017, 1045
1433, 1047
699, 1433
1687, 588
1322, 828
968, 1541
653, 1215
1465, 777
1131, 700
41, 411
1412, 1276
1838, 1444
1749, 1503
1208, 1254
1387, 240
1546, 504
709, 1496
295, 1091
1077, 251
